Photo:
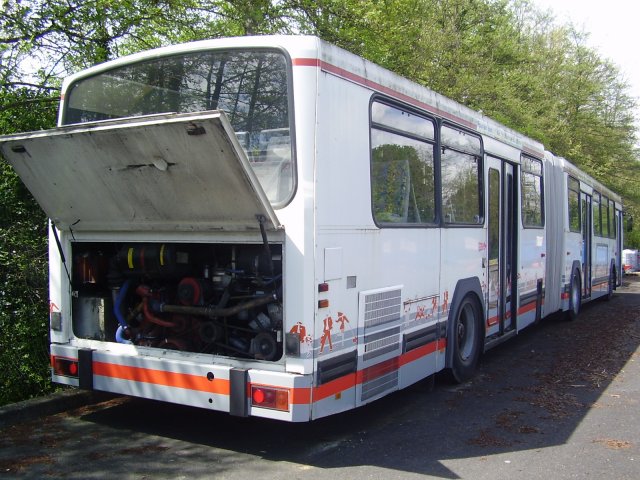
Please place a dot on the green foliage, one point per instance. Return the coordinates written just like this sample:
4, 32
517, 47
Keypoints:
23, 261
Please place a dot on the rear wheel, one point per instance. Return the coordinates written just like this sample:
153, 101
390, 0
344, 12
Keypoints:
575, 296
612, 284
468, 336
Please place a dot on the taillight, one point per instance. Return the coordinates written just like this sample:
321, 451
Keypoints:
67, 367
269, 397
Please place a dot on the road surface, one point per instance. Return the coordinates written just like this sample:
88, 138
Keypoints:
560, 401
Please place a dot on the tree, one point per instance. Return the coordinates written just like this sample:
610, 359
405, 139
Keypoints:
23, 260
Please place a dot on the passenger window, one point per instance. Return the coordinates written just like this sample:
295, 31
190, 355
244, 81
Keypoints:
461, 180
604, 211
597, 219
402, 167
532, 193
573, 194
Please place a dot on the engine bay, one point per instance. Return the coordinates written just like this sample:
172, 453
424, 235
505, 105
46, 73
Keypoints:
222, 299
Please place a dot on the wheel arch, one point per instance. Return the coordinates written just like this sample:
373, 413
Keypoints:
463, 287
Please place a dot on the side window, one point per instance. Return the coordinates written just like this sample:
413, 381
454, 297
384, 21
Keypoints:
402, 166
461, 177
573, 194
613, 224
597, 219
604, 211
531, 193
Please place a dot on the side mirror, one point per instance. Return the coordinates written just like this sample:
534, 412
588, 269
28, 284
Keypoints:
629, 223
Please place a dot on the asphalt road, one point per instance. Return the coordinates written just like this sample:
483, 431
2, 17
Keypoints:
560, 401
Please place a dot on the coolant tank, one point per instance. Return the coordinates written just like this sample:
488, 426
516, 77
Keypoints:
93, 318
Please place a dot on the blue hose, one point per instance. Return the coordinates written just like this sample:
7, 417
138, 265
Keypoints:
117, 310
120, 336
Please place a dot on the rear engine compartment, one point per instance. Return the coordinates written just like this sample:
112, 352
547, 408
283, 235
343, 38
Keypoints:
222, 299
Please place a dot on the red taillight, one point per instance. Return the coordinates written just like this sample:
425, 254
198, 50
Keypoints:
268, 397
67, 367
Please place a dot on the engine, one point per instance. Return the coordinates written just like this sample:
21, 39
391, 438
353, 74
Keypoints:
218, 299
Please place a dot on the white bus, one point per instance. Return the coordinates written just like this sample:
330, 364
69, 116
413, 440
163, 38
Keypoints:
272, 226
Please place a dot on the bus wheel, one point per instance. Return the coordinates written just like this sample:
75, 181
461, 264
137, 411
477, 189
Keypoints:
575, 296
467, 339
611, 286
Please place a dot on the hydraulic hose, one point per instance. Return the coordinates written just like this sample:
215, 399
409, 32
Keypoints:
145, 292
117, 308
120, 336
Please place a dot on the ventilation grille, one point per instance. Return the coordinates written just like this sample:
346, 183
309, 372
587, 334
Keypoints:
380, 343
381, 319
379, 379
382, 307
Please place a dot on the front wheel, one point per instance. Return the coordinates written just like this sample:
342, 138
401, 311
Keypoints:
468, 336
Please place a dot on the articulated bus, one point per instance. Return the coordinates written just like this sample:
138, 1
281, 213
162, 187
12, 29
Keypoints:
274, 227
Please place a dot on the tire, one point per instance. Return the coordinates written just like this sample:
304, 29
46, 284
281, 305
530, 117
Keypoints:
575, 296
611, 286
467, 339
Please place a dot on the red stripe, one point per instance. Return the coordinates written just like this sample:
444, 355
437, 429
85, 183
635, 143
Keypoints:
306, 62
341, 72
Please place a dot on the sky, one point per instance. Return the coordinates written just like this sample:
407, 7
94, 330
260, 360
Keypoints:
613, 28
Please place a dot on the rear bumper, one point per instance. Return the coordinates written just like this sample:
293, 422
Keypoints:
215, 387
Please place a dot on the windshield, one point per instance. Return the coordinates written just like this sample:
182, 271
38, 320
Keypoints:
250, 86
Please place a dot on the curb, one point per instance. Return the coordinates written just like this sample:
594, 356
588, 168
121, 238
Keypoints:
50, 405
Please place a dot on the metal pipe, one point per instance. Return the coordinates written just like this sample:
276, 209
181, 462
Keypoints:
213, 312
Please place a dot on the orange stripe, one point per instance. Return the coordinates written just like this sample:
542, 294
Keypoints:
300, 396
297, 396
351, 380
419, 352
527, 308
334, 386
162, 377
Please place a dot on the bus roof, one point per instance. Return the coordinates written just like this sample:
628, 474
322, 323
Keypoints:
312, 51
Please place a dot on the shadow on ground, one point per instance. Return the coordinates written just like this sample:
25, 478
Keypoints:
530, 393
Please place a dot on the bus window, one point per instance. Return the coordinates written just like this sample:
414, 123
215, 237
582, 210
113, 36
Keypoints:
250, 86
573, 194
461, 180
402, 167
604, 212
532, 193
597, 219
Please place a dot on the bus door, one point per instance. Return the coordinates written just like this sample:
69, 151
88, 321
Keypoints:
619, 230
585, 205
501, 244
